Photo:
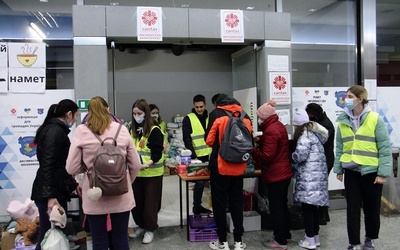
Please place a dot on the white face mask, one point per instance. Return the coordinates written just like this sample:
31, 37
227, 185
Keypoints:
139, 119
155, 116
260, 121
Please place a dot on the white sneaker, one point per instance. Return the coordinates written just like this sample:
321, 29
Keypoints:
216, 245
148, 237
307, 243
138, 232
239, 245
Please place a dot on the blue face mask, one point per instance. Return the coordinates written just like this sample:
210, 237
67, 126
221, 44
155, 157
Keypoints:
349, 103
68, 124
139, 119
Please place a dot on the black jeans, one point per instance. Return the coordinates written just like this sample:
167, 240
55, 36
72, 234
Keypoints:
311, 219
147, 191
226, 189
198, 194
119, 235
280, 216
362, 192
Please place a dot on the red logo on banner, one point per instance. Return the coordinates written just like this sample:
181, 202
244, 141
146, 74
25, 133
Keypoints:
280, 82
232, 20
149, 18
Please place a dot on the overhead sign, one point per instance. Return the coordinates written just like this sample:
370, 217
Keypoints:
149, 24
232, 29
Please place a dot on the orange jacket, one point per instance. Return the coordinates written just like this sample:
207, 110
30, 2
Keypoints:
218, 121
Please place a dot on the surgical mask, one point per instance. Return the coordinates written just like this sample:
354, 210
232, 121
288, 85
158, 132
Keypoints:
260, 121
68, 124
349, 103
139, 119
155, 116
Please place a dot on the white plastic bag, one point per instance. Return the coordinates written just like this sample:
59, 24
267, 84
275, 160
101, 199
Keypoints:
54, 239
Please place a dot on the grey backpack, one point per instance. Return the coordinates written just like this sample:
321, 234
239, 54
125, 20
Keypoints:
109, 167
237, 141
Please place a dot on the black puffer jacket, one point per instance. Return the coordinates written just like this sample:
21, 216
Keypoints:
52, 180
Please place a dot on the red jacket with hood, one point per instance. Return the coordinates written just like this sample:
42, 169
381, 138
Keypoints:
218, 120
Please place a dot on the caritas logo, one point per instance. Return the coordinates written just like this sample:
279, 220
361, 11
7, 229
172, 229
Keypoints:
280, 82
232, 20
149, 18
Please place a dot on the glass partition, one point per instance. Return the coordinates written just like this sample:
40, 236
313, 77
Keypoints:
324, 42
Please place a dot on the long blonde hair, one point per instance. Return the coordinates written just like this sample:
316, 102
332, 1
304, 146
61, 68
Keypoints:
99, 119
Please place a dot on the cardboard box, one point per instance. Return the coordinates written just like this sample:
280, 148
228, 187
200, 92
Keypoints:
7, 240
251, 221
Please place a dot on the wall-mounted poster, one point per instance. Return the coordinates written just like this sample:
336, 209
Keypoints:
232, 28
149, 24
279, 86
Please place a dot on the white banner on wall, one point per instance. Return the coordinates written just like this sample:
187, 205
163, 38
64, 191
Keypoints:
232, 28
149, 24
18, 162
32, 80
279, 87
3, 56
3, 80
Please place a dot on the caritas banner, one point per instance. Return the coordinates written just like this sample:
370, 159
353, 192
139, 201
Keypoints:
149, 24
232, 28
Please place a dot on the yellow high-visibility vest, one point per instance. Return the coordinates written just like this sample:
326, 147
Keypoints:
197, 135
157, 168
360, 147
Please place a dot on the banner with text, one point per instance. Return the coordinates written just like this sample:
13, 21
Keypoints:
21, 115
232, 28
149, 24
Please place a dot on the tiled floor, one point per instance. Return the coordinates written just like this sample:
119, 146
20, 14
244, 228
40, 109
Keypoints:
333, 235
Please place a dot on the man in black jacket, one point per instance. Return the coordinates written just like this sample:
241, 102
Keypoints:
317, 114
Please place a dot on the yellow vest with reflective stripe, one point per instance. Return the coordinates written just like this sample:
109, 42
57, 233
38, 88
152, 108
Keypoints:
197, 135
361, 146
156, 169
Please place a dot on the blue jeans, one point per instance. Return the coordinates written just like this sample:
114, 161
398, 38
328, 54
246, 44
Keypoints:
119, 236
44, 222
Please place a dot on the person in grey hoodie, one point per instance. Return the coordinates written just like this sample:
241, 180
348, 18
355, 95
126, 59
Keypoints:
364, 156
311, 188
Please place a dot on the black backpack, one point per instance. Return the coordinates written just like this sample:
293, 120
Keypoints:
109, 167
237, 141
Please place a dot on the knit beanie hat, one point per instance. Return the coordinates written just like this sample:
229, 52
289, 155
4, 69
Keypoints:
58, 216
267, 109
300, 117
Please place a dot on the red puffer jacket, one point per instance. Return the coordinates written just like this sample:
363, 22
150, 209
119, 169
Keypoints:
272, 152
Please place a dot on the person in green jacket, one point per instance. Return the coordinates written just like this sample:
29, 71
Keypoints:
364, 158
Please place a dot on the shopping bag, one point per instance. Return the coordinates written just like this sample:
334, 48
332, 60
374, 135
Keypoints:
54, 239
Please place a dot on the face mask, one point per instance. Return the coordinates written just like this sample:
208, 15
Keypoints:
139, 119
155, 116
260, 121
313, 119
68, 124
349, 103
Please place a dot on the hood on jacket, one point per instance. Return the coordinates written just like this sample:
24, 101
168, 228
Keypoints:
355, 120
321, 132
230, 104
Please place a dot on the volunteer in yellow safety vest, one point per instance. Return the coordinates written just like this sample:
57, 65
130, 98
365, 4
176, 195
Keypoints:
364, 158
193, 129
147, 188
